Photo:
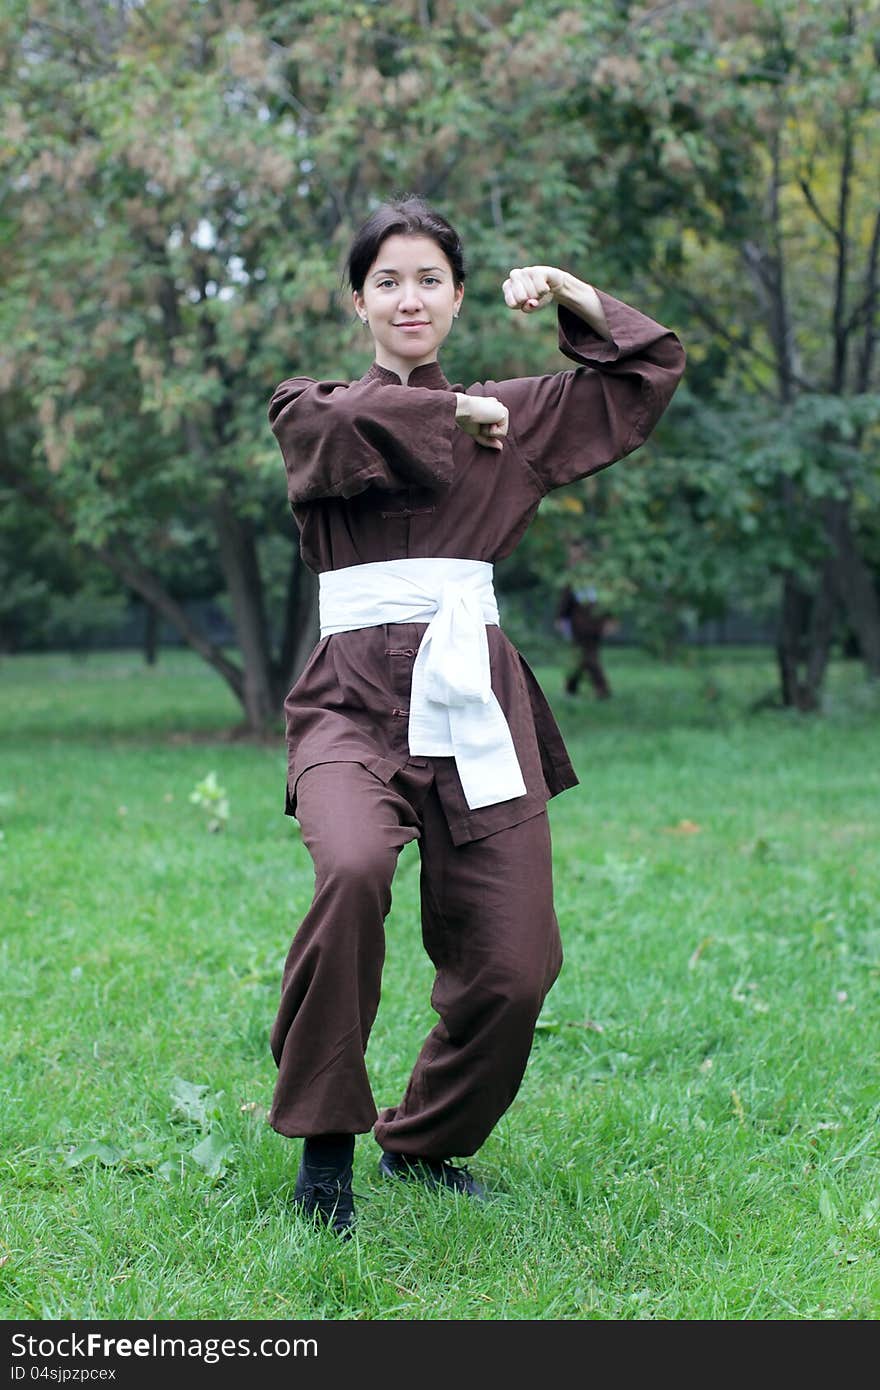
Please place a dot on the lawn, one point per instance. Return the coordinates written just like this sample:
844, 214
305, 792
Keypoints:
696, 1136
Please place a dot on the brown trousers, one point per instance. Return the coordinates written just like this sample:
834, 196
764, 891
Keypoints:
490, 930
589, 663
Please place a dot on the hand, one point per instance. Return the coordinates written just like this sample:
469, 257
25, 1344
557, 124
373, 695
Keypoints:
531, 287
482, 417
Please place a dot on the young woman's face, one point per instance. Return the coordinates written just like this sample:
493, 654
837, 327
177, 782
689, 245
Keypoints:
409, 300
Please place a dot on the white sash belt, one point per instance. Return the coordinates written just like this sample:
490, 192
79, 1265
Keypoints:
452, 710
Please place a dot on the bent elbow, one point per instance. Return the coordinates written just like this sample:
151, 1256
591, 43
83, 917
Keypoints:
285, 397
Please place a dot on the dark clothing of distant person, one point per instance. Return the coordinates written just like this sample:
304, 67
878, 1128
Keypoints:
378, 470
586, 623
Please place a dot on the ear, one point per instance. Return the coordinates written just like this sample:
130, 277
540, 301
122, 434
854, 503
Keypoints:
459, 296
359, 306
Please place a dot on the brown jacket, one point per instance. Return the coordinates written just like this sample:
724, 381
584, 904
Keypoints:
587, 621
378, 471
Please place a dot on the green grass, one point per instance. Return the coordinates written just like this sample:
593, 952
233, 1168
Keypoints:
696, 1136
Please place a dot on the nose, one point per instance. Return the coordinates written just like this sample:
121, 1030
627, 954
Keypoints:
410, 299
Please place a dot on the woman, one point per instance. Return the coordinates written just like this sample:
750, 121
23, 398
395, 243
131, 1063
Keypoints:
415, 718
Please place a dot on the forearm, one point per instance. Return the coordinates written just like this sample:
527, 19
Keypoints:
582, 300
337, 440
571, 424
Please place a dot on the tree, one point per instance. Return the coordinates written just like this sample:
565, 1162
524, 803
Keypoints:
740, 143
181, 183
767, 120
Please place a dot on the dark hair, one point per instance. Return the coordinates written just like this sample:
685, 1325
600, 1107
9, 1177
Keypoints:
410, 216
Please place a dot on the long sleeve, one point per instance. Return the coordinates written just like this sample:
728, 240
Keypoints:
571, 423
337, 438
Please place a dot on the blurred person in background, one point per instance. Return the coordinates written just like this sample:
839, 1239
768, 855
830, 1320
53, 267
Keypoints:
584, 622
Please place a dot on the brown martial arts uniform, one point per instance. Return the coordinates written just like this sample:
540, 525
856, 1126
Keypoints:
380, 471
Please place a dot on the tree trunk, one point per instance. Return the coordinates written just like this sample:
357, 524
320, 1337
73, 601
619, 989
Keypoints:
262, 685
127, 568
151, 634
308, 625
238, 558
791, 645
301, 628
854, 584
823, 620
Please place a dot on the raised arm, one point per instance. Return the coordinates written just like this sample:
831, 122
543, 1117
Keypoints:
572, 423
337, 439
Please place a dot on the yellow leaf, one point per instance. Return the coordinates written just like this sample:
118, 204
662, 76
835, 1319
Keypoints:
684, 827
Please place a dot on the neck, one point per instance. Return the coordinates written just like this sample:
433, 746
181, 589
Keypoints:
402, 366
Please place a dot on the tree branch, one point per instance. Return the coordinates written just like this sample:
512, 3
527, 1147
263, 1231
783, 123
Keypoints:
740, 345
869, 306
814, 206
117, 556
839, 328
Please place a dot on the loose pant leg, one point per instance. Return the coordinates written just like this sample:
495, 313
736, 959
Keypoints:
491, 931
591, 663
573, 679
354, 827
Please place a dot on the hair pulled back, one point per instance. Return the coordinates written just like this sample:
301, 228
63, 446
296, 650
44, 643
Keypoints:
409, 216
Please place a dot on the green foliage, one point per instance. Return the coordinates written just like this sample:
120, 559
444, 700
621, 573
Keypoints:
50, 594
192, 1111
181, 183
710, 113
213, 800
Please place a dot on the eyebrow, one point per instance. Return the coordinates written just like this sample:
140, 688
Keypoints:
422, 270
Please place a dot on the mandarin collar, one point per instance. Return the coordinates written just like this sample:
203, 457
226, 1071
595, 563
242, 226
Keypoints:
429, 374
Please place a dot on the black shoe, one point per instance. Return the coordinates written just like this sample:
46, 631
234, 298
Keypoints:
324, 1194
431, 1172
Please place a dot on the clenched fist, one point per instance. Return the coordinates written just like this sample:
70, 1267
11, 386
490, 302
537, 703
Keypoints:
530, 287
482, 417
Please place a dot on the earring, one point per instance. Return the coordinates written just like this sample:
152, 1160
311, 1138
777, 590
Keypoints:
455, 313
364, 319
